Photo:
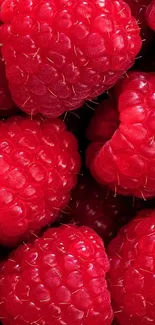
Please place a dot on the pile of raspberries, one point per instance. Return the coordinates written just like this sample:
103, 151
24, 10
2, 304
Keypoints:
77, 162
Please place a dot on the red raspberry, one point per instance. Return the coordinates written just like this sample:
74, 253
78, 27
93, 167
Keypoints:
138, 8
6, 103
126, 161
57, 280
97, 207
60, 53
38, 166
131, 277
150, 15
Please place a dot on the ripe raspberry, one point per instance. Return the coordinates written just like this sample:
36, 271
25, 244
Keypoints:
97, 207
131, 277
150, 15
126, 161
60, 53
6, 103
138, 8
38, 166
59, 279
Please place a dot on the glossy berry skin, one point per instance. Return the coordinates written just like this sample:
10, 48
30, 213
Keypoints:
150, 15
39, 162
98, 208
6, 103
59, 279
131, 276
61, 53
126, 161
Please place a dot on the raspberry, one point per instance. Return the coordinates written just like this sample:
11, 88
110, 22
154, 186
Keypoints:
59, 279
61, 53
97, 207
138, 8
126, 161
38, 166
150, 15
131, 277
6, 103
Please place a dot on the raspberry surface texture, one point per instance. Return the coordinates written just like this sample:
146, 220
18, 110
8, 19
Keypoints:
59, 279
98, 208
150, 15
126, 161
39, 162
59, 54
6, 102
131, 276
138, 9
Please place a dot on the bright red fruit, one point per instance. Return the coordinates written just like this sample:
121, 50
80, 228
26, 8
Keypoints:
39, 162
132, 269
150, 15
57, 280
6, 103
138, 8
60, 53
98, 208
126, 161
